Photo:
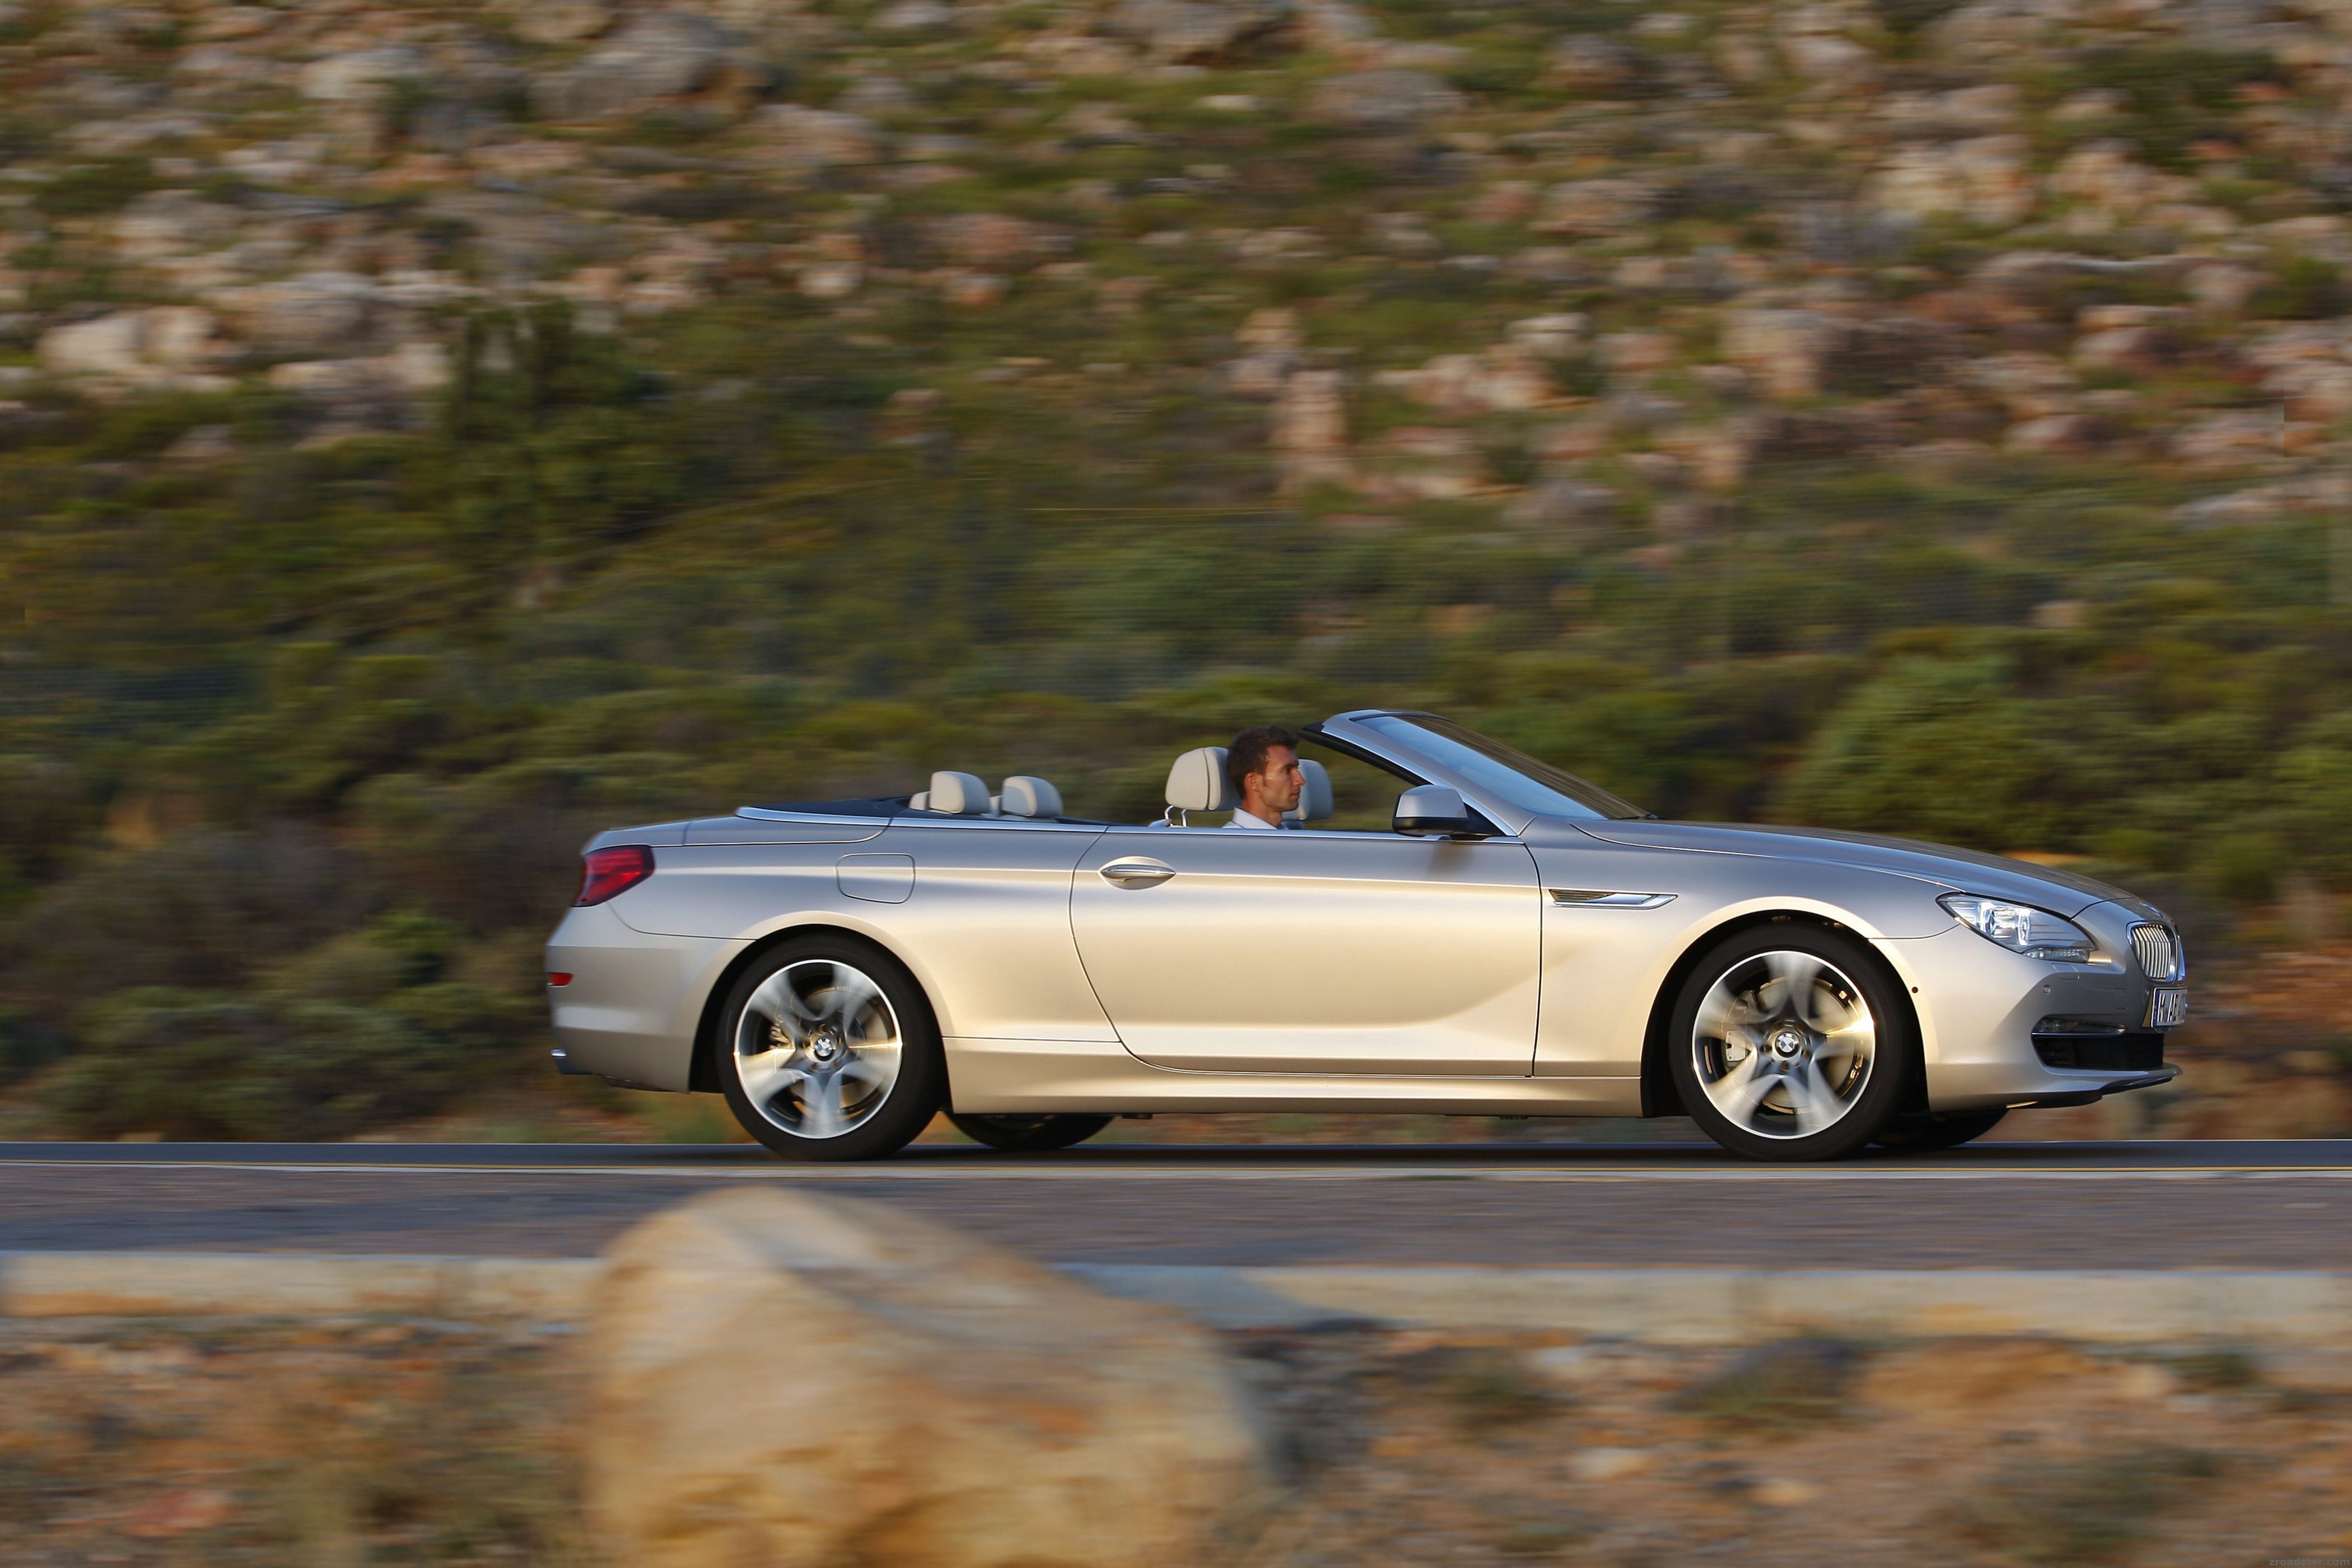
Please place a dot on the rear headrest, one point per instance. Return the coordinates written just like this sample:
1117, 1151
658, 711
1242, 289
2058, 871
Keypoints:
1027, 797
959, 795
1197, 781
1314, 792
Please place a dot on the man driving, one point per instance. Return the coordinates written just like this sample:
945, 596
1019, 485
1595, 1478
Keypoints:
1262, 764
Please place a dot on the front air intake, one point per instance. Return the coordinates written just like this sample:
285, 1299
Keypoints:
2084, 1044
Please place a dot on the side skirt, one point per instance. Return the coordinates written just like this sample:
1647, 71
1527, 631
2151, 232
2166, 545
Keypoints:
1003, 1076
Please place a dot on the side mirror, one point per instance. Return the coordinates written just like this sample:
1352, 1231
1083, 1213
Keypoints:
1433, 811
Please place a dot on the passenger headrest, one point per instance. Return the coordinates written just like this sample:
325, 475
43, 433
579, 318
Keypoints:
959, 795
1197, 781
1027, 796
1314, 792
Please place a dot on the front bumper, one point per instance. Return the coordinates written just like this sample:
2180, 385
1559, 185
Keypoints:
1981, 1006
2113, 1086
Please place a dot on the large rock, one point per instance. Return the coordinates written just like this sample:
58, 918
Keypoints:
1593, 62
1310, 430
1563, 504
1507, 378
802, 137
346, 397
1384, 99
1815, 43
2106, 175
314, 313
1596, 207
360, 76
1197, 30
160, 346
173, 223
2029, 385
1984, 180
1787, 350
800, 1381
667, 55
989, 240
559, 21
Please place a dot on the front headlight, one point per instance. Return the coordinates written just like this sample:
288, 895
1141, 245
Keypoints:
2021, 928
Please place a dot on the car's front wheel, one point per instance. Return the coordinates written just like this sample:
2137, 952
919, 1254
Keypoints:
827, 1051
1790, 1042
1028, 1134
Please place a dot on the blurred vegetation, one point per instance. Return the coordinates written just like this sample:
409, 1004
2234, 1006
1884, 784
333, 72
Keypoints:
297, 746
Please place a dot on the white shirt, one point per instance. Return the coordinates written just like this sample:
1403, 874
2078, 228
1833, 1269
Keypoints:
1246, 819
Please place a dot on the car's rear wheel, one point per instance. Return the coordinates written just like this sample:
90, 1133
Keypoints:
1028, 1134
827, 1051
1790, 1042
1929, 1137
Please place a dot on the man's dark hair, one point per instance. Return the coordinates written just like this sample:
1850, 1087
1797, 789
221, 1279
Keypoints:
1246, 755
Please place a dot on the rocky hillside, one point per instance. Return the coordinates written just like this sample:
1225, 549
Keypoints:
427, 429
1583, 261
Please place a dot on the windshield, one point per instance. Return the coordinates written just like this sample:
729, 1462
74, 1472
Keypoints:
1499, 771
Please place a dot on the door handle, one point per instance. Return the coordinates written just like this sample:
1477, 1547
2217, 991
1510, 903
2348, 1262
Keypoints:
1136, 873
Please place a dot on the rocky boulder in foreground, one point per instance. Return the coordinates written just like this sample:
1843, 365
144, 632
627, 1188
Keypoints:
789, 1379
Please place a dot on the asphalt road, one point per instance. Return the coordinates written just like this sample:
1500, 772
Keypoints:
2021, 1206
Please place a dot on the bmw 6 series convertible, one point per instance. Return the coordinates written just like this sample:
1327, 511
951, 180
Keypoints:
1479, 934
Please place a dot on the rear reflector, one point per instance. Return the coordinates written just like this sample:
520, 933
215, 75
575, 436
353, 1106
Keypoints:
607, 873
556, 979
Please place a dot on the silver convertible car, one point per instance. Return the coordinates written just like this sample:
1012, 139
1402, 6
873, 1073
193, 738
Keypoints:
1479, 934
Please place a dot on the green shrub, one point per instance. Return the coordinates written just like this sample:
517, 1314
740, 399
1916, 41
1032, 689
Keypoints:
204, 909
1786, 1383
1947, 751
2174, 96
2305, 288
26, 1046
2081, 1511
87, 190
1904, 18
204, 1065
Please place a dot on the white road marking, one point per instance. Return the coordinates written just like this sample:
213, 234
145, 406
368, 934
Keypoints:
993, 1172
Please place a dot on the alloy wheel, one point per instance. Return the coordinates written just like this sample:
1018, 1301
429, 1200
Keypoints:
1784, 1044
817, 1048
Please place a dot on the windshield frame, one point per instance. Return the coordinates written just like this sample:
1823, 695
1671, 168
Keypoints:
1530, 787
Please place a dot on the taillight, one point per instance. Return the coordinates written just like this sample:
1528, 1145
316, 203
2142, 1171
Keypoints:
607, 873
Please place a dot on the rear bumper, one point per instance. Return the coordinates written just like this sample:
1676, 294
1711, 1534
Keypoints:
635, 1003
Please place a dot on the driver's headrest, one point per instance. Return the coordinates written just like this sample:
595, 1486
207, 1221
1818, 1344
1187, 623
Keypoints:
1314, 792
1197, 781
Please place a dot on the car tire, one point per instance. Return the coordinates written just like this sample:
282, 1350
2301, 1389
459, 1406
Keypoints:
1791, 1041
827, 1050
1028, 1134
1934, 1136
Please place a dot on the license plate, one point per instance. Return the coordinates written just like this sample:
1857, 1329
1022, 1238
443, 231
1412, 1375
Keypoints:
2169, 1007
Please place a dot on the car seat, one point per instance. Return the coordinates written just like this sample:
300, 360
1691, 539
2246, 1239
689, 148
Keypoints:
1313, 794
953, 794
1027, 796
1198, 783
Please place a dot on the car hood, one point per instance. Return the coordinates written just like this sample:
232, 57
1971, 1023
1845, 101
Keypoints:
1964, 871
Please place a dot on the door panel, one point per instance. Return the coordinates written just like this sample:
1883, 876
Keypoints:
1227, 951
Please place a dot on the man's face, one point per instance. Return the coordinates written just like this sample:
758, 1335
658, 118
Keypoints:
1277, 785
